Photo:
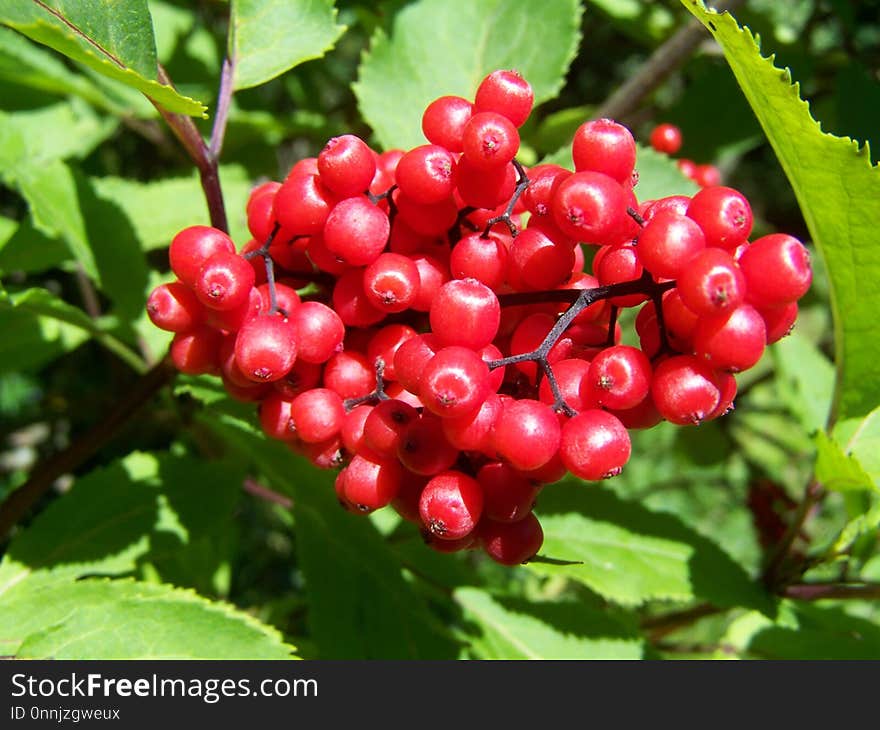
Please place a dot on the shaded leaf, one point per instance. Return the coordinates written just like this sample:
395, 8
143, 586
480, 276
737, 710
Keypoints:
441, 47
630, 555
269, 37
805, 378
512, 628
837, 470
837, 188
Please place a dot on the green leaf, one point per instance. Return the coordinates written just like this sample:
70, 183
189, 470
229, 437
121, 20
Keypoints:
837, 188
114, 38
630, 554
29, 251
804, 631
441, 47
124, 619
806, 379
646, 21
837, 470
269, 37
45, 305
144, 507
157, 210
659, 176
26, 64
30, 341
511, 628
359, 604
855, 528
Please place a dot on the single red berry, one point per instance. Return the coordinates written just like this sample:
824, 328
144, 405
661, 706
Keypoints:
423, 446
197, 351
732, 341
370, 485
318, 414
266, 347
527, 434
595, 445
192, 247
619, 377
668, 242
603, 145
712, 283
174, 307
724, 214
489, 140
347, 165
321, 331
666, 138
777, 270
391, 282
426, 173
590, 207
356, 231
483, 259
507, 495
685, 390
444, 120
512, 543
465, 312
506, 93
455, 382
451, 505
384, 424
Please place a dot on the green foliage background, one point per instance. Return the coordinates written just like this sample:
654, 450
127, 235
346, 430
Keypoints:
188, 534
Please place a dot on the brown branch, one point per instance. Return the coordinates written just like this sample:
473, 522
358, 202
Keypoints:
659, 65
659, 626
187, 133
775, 572
19, 502
818, 591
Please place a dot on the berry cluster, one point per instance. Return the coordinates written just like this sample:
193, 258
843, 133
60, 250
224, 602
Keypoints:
666, 138
423, 320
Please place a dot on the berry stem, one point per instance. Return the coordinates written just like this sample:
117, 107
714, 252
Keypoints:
583, 299
373, 397
224, 100
522, 183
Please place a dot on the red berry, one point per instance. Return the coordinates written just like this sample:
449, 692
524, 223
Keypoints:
590, 207
391, 282
506, 93
465, 312
732, 341
512, 543
451, 505
489, 140
192, 247
668, 242
425, 174
318, 415
347, 165
712, 283
685, 390
619, 377
724, 215
527, 434
507, 495
455, 382
777, 270
595, 445
444, 120
603, 145
666, 138
356, 231
174, 307
370, 485
266, 347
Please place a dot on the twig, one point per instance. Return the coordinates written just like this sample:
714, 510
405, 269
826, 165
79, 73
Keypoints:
818, 591
659, 626
185, 130
254, 488
19, 502
221, 116
774, 573
662, 62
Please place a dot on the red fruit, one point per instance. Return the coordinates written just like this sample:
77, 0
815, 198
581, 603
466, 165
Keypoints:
444, 120
276, 419
350, 374
465, 312
666, 138
777, 270
512, 543
356, 231
483, 259
321, 331
712, 283
507, 495
391, 282
192, 247
619, 377
412, 357
506, 93
266, 347
527, 434
537, 263
302, 204
423, 446
425, 174
197, 351
318, 415
455, 382
603, 145
385, 344
571, 376
668, 242
451, 505
384, 424
489, 140
724, 214
685, 390
595, 445
473, 431
174, 307
351, 302
732, 341
371, 485
347, 165
590, 207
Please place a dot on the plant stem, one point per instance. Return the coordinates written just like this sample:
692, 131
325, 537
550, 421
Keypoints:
185, 130
662, 62
774, 572
659, 626
818, 591
221, 116
19, 502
